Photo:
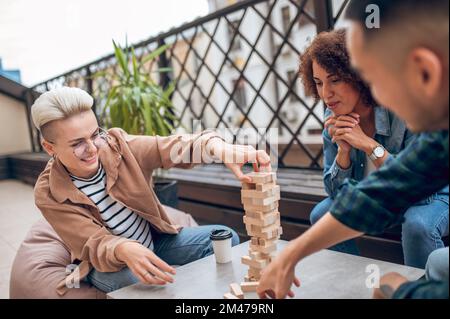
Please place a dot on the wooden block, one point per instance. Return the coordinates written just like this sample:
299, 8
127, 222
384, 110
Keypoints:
249, 286
264, 221
261, 208
259, 215
248, 186
255, 255
262, 230
262, 178
254, 273
236, 290
260, 201
264, 187
258, 264
255, 241
229, 296
255, 277
266, 242
271, 235
275, 190
264, 250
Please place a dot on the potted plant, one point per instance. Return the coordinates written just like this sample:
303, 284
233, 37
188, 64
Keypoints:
140, 106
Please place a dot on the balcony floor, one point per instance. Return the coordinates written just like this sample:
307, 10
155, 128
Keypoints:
17, 214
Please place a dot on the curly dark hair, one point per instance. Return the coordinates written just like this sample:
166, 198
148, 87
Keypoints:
329, 51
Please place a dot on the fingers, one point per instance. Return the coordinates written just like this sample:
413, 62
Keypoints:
263, 160
267, 294
237, 171
145, 277
157, 273
158, 262
137, 273
297, 282
342, 131
349, 117
330, 121
152, 280
241, 155
355, 116
346, 120
345, 123
331, 130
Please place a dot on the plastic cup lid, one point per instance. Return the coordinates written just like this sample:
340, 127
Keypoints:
220, 234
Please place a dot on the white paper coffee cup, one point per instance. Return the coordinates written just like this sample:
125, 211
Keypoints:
221, 240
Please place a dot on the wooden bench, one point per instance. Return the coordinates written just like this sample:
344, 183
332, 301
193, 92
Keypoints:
212, 195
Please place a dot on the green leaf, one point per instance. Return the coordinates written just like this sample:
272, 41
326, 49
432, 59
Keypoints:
147, 112
155, 54
137, 96
135, 128
121, 58
169, 90
135, 102
163, 70
135, 67
160, 124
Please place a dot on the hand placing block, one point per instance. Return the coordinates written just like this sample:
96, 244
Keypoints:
262, 177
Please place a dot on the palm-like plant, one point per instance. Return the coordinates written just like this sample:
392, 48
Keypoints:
135, 102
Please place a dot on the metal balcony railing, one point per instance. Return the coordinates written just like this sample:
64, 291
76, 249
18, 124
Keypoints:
234, 68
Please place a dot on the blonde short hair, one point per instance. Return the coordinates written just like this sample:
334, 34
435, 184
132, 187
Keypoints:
59, 104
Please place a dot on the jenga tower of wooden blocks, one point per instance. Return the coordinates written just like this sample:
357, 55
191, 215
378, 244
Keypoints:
262, 221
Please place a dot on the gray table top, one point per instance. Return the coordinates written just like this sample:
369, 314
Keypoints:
326, 274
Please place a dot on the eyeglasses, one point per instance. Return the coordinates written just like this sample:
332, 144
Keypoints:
81, 150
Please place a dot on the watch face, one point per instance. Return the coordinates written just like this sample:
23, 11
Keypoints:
379, 152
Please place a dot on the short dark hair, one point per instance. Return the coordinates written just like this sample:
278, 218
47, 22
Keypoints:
399, 12
329, 51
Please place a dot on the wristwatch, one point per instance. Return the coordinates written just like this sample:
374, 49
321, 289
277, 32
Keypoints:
377, 153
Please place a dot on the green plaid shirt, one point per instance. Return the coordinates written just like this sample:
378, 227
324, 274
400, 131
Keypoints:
380, 201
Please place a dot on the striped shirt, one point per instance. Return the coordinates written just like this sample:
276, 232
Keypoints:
119, 220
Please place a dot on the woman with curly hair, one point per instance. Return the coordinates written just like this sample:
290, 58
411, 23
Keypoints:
360, 137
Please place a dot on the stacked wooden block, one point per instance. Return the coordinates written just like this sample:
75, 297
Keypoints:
262, 221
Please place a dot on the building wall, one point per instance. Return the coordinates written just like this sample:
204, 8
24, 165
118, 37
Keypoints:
292, 111
14, 134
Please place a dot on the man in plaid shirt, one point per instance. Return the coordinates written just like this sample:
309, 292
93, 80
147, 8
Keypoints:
405, 60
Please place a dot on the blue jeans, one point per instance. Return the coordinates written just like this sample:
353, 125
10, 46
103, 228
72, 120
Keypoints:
425, 225
437, 265
189, 245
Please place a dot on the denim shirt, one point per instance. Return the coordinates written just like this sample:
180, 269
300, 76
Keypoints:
390, 132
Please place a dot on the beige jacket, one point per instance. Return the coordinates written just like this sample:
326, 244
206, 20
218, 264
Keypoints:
129, 162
